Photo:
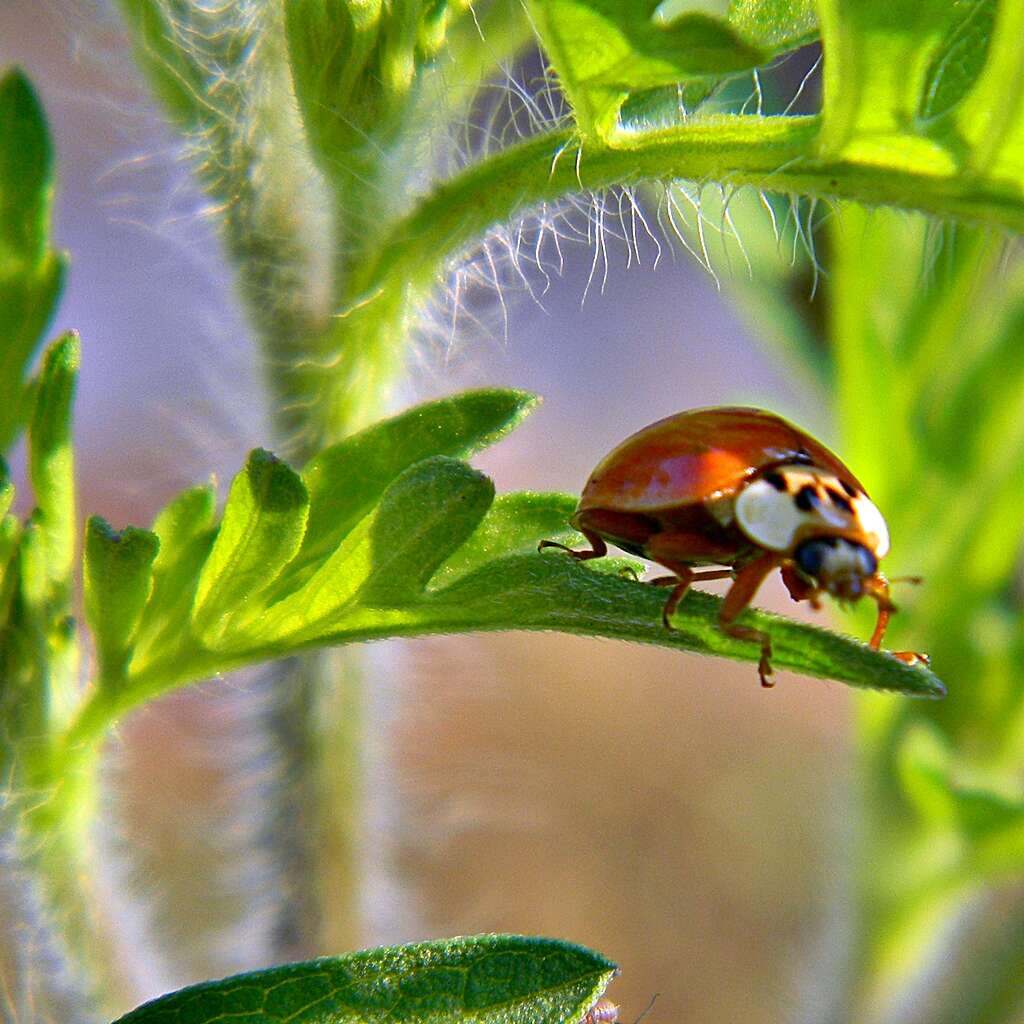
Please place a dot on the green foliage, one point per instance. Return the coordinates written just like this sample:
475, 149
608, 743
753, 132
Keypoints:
312, 125
31, 273
118, 574
492, 979
404, 541
605, 49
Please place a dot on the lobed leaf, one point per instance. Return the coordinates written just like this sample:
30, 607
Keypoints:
118, 575
261, 530
488, 979
346, 480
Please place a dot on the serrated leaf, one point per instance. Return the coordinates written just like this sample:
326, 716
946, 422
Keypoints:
488, 979
346, 480
118, 581
31, 274
605, 49
261, 530
51, 459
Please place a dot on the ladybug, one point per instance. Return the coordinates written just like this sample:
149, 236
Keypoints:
740, 488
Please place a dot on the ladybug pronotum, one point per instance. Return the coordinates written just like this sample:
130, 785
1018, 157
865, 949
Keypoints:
740, 488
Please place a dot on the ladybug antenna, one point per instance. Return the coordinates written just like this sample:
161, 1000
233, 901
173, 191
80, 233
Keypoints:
916, 580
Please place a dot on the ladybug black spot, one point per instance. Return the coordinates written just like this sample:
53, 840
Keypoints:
806, 499
849, 488
839, 501
777, 480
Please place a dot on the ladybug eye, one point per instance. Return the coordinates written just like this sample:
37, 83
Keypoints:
811, 555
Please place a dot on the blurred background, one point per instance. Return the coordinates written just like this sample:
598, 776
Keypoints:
659, 807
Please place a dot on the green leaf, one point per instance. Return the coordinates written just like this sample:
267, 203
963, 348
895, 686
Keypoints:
425, 515
387, 560
346, 480
513, 525
330, 44
774, 25
960, 57
174, 72
10, 532
605, 49
262, 528
26, 172
7, 491
489, 979
31, 274
186, 532
118, 582
51, 459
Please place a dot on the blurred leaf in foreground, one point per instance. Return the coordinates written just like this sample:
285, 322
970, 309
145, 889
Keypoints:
488, 979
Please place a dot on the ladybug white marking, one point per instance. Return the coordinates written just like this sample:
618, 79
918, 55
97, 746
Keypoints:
790, 503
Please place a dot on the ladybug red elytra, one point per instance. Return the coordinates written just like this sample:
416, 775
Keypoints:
740, 488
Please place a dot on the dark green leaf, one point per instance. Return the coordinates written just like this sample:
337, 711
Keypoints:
26, 172
513, 525
489, 979
423, 517
118, 581
261, 530
31, 274
551, 591
346, 480
51, 457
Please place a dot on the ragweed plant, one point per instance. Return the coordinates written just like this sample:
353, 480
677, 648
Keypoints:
315, 125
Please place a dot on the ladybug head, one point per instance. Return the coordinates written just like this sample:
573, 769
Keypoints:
841, 567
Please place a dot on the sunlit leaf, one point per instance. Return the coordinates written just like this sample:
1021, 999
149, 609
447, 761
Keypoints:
262, 527
118, 572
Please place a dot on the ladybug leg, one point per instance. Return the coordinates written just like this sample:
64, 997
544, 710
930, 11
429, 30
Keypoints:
681, 583
879, 590
798, 587
683, 578
741, 593
598, 548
